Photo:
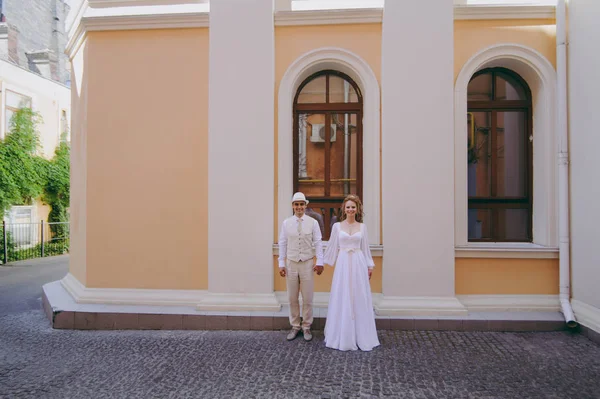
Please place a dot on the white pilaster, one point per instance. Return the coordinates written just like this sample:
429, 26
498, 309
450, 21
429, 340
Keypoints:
418, 164
584, 141
241, 158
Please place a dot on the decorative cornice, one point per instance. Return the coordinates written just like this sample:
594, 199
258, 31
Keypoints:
329, 17
133, 22
504, 12
140, 3
106, 15
150, 21
375, 15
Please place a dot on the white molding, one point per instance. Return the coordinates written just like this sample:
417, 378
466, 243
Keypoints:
376, 250
506, 251
419, 306
140, 3
108, 19
360, 71
132, 22
232, 302
329, 17
587, 315
109, 16
540, 75
320, 299
504, 12
375, 15
510, 303
130, 296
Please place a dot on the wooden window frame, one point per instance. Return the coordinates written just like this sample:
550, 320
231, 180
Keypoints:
329, 206
495, 203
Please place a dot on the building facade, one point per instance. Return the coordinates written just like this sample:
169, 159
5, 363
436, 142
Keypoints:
449, 120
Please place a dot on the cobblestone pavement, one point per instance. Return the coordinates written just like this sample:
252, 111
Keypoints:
37, 361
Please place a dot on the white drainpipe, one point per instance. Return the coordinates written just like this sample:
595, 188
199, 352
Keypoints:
563, 166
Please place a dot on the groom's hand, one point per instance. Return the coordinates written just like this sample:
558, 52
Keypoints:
318, 269
282, 271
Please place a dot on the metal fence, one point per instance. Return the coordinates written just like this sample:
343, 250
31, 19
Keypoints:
21, 241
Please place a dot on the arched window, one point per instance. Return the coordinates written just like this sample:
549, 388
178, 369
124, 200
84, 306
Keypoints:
328, 109
499, 157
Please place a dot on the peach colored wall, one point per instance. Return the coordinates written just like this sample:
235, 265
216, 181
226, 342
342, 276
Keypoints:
293, 41
506, 276
147, 162
472, 36
147, 125
323, 282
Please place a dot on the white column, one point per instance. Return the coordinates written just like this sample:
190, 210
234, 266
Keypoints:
241, 156
418, 163
583, 143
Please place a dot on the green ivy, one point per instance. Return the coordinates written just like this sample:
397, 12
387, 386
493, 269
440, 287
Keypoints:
25, 176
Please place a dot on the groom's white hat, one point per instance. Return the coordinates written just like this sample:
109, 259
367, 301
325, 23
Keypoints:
299, 197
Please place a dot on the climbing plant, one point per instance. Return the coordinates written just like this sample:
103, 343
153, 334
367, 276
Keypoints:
25, 175
22, 171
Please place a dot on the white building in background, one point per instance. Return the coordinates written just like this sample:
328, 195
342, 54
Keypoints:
52, 100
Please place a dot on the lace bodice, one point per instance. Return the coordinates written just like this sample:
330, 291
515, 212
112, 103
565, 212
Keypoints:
339, 239
349, 241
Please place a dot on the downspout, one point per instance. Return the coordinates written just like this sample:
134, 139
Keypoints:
563, 167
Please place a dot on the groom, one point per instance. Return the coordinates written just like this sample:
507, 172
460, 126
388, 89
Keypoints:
299, 241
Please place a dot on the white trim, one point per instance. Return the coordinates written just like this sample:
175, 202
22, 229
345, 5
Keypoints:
231, 302
375, 15
140, 3
479, 12
320, 299
419, 306
376, 249
130, 296
541, 77
329, 17
506, 251
358, 69
132, 22
587, 315
5, 86
510, 303
108, 13
134, 18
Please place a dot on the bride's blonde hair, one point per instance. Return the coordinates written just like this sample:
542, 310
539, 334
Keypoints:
359, 208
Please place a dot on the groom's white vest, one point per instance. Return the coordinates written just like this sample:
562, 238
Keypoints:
300, 245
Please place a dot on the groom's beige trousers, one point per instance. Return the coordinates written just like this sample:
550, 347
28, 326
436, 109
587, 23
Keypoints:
299, 278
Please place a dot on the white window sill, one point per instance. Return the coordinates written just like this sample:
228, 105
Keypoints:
376, 250
507, 250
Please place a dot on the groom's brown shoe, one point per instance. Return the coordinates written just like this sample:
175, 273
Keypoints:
293, 334
307, 335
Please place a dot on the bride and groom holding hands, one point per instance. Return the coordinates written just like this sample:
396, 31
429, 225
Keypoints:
350, 323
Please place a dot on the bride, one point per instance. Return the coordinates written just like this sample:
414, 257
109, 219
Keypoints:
350, 321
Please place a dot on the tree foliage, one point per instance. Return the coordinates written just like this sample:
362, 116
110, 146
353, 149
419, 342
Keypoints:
25, 175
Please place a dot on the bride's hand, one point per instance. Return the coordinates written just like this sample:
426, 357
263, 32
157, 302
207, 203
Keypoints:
370, 273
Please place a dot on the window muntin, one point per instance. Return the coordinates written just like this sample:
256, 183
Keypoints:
14, 102
499, 157
327, 143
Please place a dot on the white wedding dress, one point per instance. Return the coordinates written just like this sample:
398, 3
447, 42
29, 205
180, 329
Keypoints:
350, 321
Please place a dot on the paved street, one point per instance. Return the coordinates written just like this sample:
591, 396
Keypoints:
37, 361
